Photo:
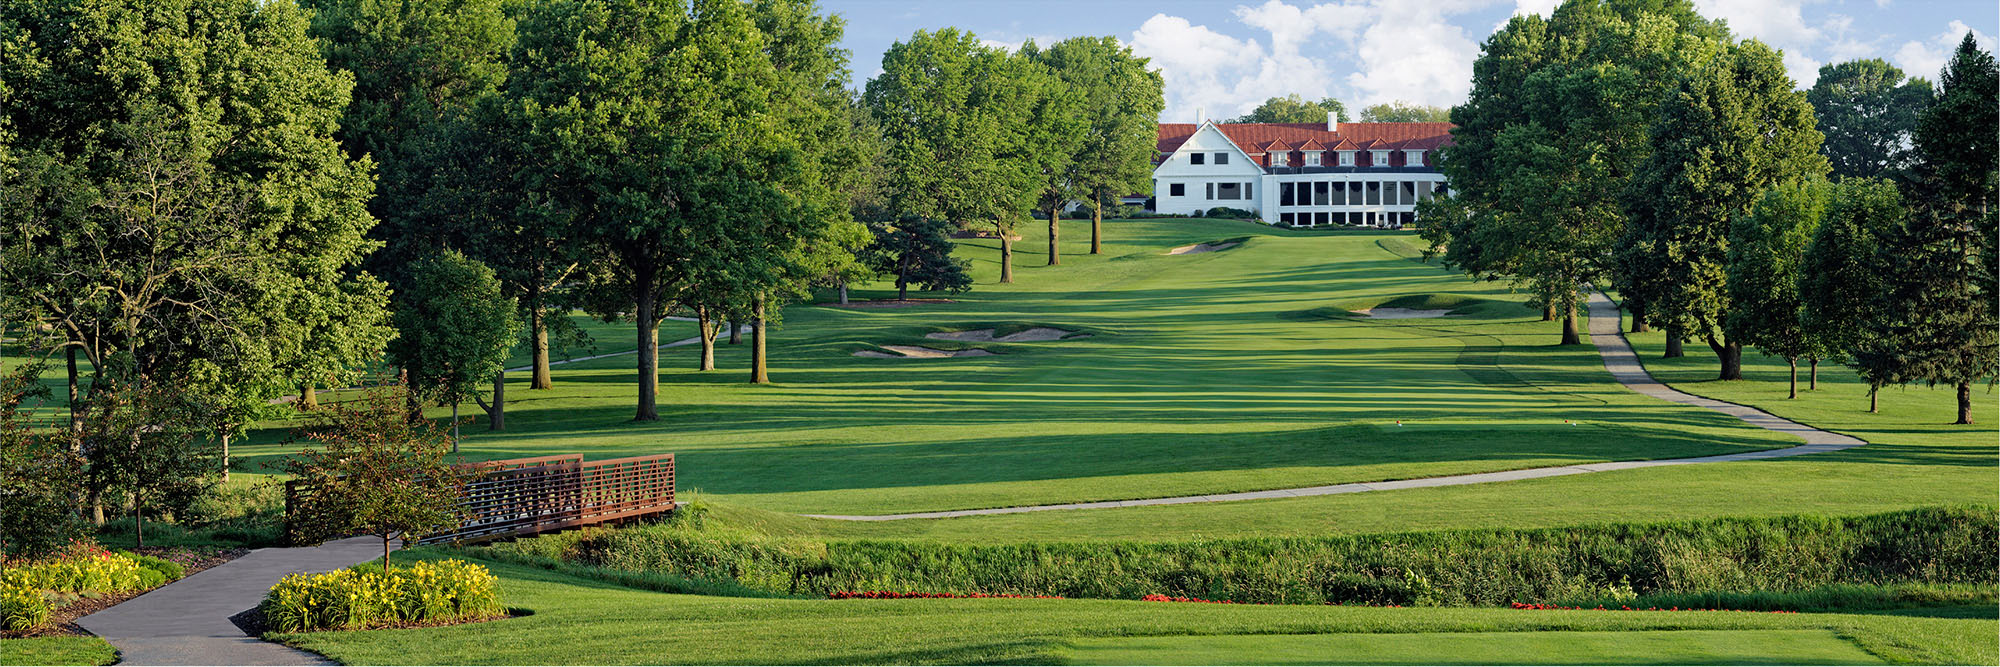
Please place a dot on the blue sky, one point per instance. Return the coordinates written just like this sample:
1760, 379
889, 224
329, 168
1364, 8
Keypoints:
1222, 58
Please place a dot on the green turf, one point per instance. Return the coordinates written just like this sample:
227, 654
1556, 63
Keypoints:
1204, 374
56, 651
1646, 647
585, 621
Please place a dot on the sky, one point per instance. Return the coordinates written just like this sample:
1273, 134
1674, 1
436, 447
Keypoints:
1223, 58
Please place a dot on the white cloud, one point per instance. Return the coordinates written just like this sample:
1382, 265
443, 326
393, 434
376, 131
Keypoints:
1780, 23
1411, 52
1202, 68
1927, 59
1538, 7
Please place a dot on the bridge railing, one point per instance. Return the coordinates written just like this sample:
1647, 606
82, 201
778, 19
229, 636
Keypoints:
513, 497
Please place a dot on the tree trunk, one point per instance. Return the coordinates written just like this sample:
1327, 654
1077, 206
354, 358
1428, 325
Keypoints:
541, 379
75, 418
1638, 309
385, 553
1729, 354
496, 418
706, 333
454, 426
1097, 229
735, 331
1872, 398
1006, 254
225, 456
308, 398
843, 291
1964, 403
1812, 379
96, 502
903, 277
649, 359
1673, 345
759, 374
1055, 231
1570, 336
138, 523
1794, 363
1548, 312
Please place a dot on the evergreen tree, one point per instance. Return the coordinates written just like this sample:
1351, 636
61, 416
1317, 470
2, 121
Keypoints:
1733, 128
917, 251
1940, 324
1766, 251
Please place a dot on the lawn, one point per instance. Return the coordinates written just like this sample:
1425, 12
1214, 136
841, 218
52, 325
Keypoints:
56, 651
588, 621
1219, 372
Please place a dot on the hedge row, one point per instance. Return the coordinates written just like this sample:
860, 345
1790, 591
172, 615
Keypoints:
1447, 568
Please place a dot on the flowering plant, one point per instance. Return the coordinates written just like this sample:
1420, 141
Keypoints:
358, 597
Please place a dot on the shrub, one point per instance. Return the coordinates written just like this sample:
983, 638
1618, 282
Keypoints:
22, 609
369, 596
1448, 568
1227, 212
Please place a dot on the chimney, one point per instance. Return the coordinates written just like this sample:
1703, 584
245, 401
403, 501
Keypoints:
1198, 117
1332, 122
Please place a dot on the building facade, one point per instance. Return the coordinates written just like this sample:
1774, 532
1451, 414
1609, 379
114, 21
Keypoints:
1300, 174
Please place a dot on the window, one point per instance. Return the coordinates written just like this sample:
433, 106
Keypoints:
1211, 190
1354, 218
1228, 191
1319, 218
1423, 192
1389, 194
1287, 218
1246, 190
1409, 192
1222, 158
1312, 159
1197, 158
1413, 158
1177, 190
1379, 159
1319, 193
1354, 193
1347, 158
1374, 193
1284, 194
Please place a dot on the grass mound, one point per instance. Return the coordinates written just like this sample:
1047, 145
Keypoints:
1446, 568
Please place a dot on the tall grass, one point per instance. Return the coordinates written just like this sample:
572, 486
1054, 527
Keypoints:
1446, 568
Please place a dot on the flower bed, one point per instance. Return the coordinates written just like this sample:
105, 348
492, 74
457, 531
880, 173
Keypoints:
364, 596
32, 590
895, 595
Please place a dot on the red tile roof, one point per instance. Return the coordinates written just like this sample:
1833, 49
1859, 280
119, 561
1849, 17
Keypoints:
1251, 137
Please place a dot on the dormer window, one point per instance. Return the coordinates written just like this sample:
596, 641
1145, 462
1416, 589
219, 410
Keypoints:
1281, 159
1413, 158
1312, 158
1347, 158
1380, 158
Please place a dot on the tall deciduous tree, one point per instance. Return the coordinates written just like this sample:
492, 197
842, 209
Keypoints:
1843, 278
179, 207
456, 329
1121, 101
1765, 264
1941, 316
1867, 111
958, 134
1733, 127
1404, 112
1055, 134
1294, 109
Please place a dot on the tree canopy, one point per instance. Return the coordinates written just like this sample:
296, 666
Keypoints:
456, 330
1404, 112
1867, 111
1293, 109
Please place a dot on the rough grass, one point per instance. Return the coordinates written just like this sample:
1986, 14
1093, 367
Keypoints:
583, 620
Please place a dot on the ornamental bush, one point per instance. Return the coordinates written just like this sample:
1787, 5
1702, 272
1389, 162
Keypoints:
22, 609
27, 587
367, 596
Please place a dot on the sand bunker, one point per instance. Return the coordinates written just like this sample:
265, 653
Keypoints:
916, 352
1200, 248
1034, 335
1402, 313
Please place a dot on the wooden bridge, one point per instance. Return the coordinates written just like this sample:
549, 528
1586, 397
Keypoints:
516, 497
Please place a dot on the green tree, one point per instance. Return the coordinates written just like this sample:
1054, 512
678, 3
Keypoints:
1055, 136
1404, 112
1867, 111
1842, 281
1767, 249
958, 134
375, 473
1733, 128
1941, 316
1121, 100
916, 251
455, 329
212, 245
41, 474
1294, 109
148, 439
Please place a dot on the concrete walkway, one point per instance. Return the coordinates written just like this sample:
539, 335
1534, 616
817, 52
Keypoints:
187, 622
1619, 359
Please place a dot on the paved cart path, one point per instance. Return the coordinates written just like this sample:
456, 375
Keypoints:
1619, 359
187, 622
